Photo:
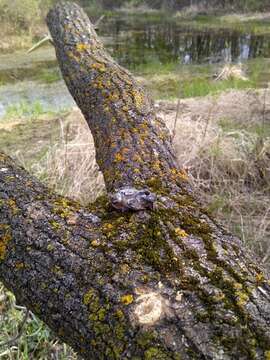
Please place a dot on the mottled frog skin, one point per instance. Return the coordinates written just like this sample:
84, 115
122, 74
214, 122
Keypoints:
129, 198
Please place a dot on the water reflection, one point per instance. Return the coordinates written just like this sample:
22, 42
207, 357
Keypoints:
166, 42
132, 42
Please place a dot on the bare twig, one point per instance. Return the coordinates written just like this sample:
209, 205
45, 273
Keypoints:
176, 118
96, 25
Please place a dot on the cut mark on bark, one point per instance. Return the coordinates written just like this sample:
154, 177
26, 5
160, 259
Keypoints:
149, 308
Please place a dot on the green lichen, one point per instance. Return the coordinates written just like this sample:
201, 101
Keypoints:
119, 331
119, 314
89, 296
101, 314
241, 298
64, 207
57, 270
109, 229
154, 353
148, 240
55, 225
152, 246
145, 339
50, 247
156, 185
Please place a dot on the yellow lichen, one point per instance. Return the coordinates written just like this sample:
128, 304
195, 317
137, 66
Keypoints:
267, 355
12, 205
156, 165
113, 96
259, 277
4, 240
95, 243
127, 299
237, 286
93, 343
119, 157
180, 232
138, 99
218, 297
108, 227
99, 67
125, 268
19, 265
82, 47
242, 298
183, 175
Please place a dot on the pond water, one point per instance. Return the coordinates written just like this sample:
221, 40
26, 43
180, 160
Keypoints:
134, 42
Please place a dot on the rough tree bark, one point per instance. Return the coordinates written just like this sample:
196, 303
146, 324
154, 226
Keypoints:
167, 283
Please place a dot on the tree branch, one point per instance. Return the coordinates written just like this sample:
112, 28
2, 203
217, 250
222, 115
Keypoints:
162, 283
132, 144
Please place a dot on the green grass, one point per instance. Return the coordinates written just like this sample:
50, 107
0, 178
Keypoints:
48, 75
174, 80
37, 341
32, 125
261, 129
45, 71
24, 110
171, 80
202, 87
155, 67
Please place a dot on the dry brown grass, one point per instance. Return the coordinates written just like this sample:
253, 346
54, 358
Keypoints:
223, 143
230, 71
10, 40
69, 165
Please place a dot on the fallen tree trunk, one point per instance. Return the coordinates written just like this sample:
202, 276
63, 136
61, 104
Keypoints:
166, 282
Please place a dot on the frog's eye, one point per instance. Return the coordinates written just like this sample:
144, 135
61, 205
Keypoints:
146, 192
